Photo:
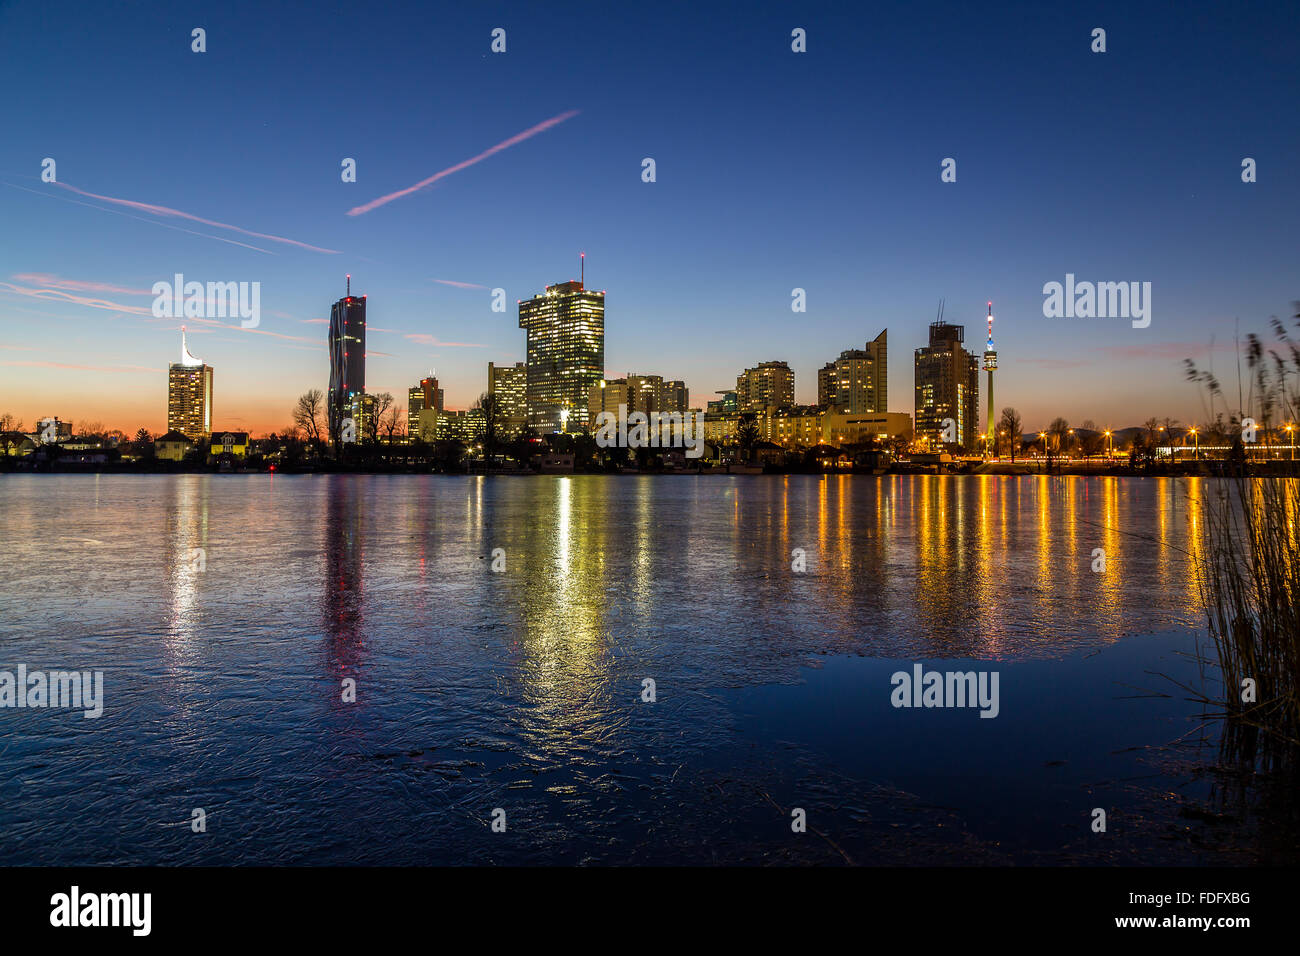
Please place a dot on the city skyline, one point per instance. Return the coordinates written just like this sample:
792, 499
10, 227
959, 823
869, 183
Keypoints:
763, 187
971, 424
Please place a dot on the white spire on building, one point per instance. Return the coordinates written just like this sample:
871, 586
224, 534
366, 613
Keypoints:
186, 357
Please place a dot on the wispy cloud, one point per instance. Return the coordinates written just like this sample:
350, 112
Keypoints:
1171, 351
1054, 363
217, 325
152, 222
77, 285
465, 164
461, 285
86, 368
168, 211
58, 295
425, 339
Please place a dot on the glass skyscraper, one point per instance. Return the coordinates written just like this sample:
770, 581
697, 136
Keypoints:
347, 340
566, 354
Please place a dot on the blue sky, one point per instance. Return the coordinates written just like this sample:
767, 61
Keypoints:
775, 170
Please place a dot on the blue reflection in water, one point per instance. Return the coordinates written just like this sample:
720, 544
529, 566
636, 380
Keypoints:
474, 689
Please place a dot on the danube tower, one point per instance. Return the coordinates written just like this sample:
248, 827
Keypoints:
990, 363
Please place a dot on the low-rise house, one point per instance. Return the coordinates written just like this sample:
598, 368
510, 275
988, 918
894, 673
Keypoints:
172, 447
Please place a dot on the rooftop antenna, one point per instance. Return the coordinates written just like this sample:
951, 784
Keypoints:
582, 275
939, 317
349, 285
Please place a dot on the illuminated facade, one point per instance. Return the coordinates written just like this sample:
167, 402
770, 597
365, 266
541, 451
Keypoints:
639, 393
347, 342
858, 381
768, 384
566, 354
364, 410
510, 386
947, 387
189, 395
726, 405
427, 395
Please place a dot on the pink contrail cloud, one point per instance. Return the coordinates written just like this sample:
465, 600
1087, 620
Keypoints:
88, 368
504, 144
168, 211
423, 338
76, 285
461, 285
61, 296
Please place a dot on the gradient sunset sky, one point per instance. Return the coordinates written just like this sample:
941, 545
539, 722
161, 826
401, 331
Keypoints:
775, 170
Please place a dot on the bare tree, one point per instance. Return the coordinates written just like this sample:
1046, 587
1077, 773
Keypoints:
1060, 431
1093, 440
307, 414
393, 425
493, 422
10, 432
382, 403
1009, 428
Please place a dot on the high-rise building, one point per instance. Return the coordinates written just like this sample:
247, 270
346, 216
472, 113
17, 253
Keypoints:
426, 395
768, 384
189, 395
364, 412
566, 354
674, 396
826, 389
639, 393
347, 341
726, 405
509, 383
858, 381
607, 395
947, 387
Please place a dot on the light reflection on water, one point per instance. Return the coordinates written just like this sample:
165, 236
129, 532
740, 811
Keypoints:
481, 689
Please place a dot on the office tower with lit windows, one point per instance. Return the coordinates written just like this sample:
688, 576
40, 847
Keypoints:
770, 384
364, 412
509, 383
189, 395
427, 395
638, 393
674, 396
565, 329
347, 343
947, 387
826, 385
858, 381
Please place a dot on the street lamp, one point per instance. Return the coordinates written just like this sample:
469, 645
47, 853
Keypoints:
1289, 440
1197, 440
1110, 448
